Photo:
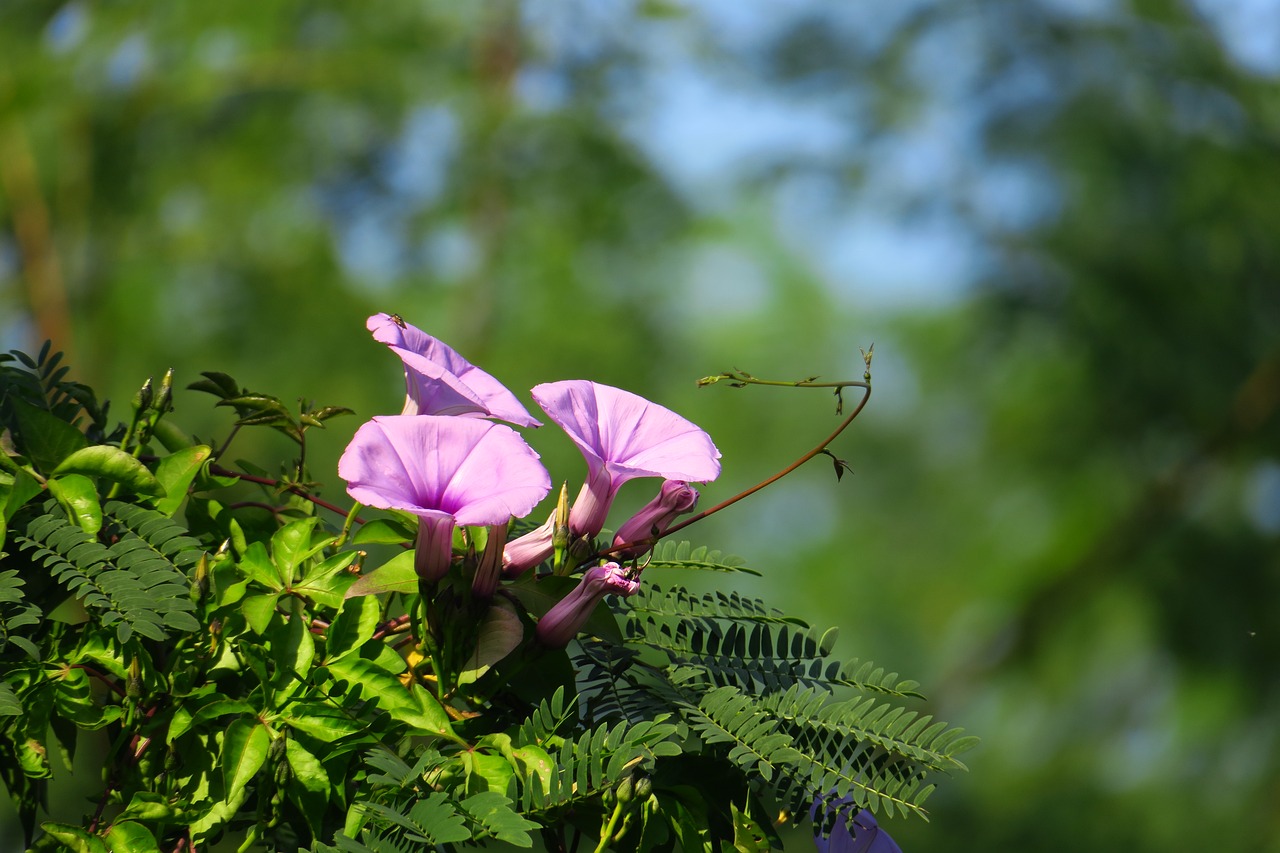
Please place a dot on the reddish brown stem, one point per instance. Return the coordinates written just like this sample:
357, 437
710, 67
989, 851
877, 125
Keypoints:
820, 449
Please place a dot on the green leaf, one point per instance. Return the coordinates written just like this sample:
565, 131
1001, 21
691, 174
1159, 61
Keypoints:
493, 811
112, 463
307, 769
16, 490
258, 610
310, 785
217, 384
326, 582
79, 497
244, 752
292, 648
413, 706
291, 545
176, 472
257, 566
322, 721
149, 807
395, 575
383, 531
131, 837
352, 627
75, 838
10, 706
46, 438
500, 633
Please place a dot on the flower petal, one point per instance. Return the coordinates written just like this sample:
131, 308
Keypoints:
442, 382
627, 434
479, 472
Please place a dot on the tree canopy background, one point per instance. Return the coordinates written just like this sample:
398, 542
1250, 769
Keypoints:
1057, 223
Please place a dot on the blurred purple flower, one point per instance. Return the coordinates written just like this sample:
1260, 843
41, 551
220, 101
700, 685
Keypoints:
675, 498
446, 471
865, 837
623, 436
439, 381
567, 616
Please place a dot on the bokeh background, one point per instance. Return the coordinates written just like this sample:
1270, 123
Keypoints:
1058, 221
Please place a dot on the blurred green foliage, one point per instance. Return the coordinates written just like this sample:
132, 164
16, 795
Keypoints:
1066, 500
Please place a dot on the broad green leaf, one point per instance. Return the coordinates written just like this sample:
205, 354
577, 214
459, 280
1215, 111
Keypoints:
352, 627
413, 706
147, 806
46, 438
290, 545
15, 490
383, 531
307, 769
218, 384
327, 581
486, 772
112, 463
79, 497
244, 751
500, 633
310, 784
75, 838
321, 720
257, 566
293, 649
129, 836
176, 472
532, 759
258, 610
395, 575
221, 707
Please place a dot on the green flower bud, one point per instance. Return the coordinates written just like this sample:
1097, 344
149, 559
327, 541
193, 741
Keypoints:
142, 399
626, 789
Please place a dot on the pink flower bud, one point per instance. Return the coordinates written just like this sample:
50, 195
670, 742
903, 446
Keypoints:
566, 618
675, 498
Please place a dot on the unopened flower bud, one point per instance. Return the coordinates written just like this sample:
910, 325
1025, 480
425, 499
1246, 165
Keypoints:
164, 400
644, 788
626, 790
675, 498
566, 618
133, 684
142, 399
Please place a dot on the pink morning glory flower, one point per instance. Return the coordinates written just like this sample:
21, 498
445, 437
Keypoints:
439, 381
623, 436
675, 498
446, 471
567, 616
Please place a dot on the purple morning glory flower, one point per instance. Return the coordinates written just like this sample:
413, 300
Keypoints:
567, 616
675, 498
439, 381
623, 436
446, 471
866, 835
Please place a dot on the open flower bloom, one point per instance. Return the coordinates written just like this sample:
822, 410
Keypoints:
866, 836
675, 498
567, 616
438, 381
623, 436
446, 471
